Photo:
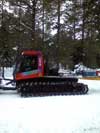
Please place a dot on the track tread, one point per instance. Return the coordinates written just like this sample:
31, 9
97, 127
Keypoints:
50, 88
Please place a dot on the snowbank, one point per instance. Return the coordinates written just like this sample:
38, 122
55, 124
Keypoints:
52, 114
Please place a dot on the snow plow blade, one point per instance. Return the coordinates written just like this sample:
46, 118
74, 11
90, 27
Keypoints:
7, 84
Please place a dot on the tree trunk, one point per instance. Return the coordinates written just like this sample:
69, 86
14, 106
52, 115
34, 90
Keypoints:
74, 22
2, 13
83, 22
43, 23
58, 31
83, 32
58, 23
34, 2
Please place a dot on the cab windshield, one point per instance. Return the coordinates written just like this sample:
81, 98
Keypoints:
28, 63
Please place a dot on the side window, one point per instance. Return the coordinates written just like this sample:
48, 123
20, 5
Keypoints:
29, 63
24, 65
34, 62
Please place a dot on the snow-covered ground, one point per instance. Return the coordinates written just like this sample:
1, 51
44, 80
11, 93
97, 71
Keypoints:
51, 114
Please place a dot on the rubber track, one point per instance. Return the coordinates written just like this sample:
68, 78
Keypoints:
51, 89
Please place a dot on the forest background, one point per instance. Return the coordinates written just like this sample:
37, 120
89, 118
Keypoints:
66, 31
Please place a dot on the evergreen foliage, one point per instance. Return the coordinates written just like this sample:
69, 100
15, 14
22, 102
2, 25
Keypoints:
67, 31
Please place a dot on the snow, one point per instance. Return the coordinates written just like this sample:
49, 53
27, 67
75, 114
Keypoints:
51, 114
